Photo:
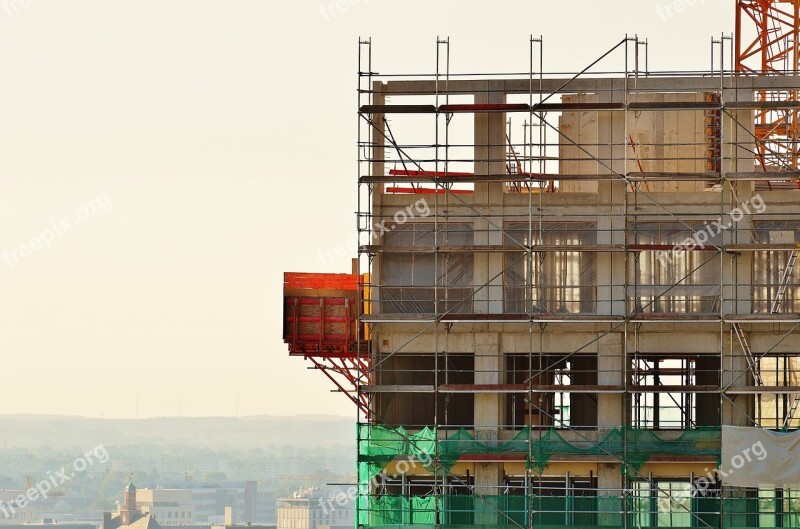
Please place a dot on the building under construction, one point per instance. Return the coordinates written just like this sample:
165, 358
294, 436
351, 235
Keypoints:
574, 293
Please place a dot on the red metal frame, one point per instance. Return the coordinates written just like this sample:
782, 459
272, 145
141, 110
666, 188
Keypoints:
426, 191
321, 325
322, 342
347, 369
770, 47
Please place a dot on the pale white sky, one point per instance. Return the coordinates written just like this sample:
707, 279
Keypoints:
180, 155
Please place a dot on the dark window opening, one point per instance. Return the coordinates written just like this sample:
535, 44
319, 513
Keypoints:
552, 404
420, 409
671, 403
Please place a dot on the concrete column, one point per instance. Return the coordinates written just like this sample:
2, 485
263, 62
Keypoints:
487, 478
738, 132
480, 273
490, 143
490, 152
738, 291
489, 415
609, 507
610, 359
611, 199
489, 369
610, 414
605, 270
379, 141
738, 146
611, 266
376, 168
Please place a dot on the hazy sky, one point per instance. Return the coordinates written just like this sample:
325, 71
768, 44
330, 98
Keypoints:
163, 162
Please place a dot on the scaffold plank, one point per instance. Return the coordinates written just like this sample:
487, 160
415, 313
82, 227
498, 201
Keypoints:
484, 107
674, 389
583, 107
395, 190
671, 105
758, 390
398, 109
380, 248
765, 105
408, 388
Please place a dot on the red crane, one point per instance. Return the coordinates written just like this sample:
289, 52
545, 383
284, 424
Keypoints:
767, 44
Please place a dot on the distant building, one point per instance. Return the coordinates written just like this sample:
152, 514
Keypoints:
265, 507
210, 498
14, 505
129, 516
169, 506
49, 523
229, 523
310, 509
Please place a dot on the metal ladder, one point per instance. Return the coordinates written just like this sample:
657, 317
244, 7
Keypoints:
793, 406
792, 410
513, 163
785, 280
752, 363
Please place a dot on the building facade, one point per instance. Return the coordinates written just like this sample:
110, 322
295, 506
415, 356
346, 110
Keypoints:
129, 515
210, 498
310, 509
15, 506
169, 506
569, 289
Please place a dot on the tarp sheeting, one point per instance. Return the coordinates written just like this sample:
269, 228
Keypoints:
753, 457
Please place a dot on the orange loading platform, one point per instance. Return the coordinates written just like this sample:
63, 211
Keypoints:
320, 323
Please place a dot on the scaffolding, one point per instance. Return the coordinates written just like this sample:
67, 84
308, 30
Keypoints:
566, 285
543, 333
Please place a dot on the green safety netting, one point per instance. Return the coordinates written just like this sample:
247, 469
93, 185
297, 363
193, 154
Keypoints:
377, 445
463, 442
453, 510
398, 510
576, 511
746, 512
489, 511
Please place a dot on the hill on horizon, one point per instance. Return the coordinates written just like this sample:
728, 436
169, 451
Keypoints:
33, 431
